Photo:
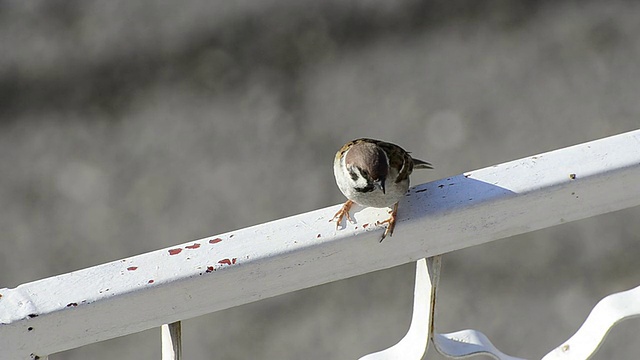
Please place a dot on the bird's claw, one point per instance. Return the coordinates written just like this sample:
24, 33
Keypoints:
342, 213
391, 221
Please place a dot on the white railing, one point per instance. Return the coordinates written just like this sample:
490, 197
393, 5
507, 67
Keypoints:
169, 285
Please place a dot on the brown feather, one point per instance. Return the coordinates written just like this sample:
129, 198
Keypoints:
368, 157
404, 163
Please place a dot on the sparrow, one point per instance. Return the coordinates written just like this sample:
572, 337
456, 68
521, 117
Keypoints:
373, 173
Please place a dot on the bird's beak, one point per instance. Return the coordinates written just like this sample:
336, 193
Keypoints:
380, 184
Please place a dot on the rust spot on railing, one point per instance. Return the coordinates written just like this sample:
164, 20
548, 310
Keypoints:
228, 261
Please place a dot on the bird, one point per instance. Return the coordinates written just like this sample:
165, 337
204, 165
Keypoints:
373, 173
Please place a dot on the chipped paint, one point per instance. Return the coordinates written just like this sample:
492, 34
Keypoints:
227, 261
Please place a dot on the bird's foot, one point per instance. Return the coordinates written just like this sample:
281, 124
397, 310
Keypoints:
391, 221
342, 213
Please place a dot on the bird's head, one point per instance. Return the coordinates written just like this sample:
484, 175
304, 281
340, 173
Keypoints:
368, 167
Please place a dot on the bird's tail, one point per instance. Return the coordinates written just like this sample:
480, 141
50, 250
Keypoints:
421, 164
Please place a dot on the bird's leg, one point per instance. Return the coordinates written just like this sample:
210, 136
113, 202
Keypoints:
344, 211
391, 221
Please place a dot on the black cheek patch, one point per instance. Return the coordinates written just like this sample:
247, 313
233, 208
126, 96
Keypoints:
366, 189
353, 175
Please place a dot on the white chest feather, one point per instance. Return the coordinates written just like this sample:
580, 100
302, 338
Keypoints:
376, 198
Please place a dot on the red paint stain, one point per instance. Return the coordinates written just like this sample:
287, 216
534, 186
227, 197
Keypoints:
150, 281
175, 251
132, 268
225, 262
233, 261
364, 226
194, 246
72, 304
215, 241
210, 269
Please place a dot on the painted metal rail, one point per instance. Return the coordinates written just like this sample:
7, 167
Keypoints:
246, 265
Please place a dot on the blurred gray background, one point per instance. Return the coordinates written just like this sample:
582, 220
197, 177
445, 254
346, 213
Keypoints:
126, 127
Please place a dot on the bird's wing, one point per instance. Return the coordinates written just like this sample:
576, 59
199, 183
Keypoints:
421, 164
